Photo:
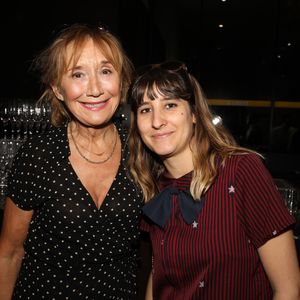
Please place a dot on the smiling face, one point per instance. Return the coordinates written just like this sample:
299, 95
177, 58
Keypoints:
166, 126
91, 88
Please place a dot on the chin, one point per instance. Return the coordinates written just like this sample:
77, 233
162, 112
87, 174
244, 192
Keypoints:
163, 153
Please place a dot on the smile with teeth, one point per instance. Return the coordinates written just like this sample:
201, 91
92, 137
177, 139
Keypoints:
95, 105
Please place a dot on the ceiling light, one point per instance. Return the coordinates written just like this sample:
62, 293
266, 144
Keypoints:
217, 120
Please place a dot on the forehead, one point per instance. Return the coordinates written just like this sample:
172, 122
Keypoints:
153, 92
86, 50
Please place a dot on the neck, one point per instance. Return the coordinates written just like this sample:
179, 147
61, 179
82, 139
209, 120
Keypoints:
91, 134
94, 145
176, 168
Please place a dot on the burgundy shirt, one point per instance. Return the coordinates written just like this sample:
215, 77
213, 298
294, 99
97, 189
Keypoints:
216, 256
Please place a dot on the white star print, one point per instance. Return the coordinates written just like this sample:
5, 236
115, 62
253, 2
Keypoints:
195, 224
231, 189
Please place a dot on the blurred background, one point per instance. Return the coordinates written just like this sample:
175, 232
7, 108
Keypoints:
246, 55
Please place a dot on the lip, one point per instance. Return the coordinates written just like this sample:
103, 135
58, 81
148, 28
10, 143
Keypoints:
94, 106
162, 135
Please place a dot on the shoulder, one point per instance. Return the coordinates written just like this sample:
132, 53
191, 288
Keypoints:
54, 134
245, 168
243, 160
53, 141
251, 164
246, 157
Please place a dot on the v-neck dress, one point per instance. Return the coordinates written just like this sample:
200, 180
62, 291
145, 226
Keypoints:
73, 249
216, 257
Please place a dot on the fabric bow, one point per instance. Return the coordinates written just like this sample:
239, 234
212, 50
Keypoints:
160, 207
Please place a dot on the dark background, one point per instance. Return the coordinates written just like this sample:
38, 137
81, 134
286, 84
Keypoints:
254, 56
247, 68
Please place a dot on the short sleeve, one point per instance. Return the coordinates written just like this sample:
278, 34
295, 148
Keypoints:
23, 177
260, 206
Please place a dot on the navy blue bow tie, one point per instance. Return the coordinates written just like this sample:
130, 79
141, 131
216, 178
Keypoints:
160, 207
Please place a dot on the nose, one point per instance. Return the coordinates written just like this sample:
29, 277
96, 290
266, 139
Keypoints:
158, 119
94, 87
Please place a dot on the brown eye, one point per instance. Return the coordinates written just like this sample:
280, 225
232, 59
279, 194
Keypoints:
144, 110
106, 71
77, 75
171, 105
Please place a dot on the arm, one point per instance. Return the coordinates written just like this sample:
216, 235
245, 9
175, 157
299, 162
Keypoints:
13, 234
279, 259
149, 295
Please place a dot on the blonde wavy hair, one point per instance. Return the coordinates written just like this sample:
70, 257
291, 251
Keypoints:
52, 63
213, 144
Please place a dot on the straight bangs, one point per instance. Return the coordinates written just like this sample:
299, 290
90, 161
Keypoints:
165, 89
158, 82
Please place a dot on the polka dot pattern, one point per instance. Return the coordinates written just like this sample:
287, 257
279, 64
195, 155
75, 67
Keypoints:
73, 249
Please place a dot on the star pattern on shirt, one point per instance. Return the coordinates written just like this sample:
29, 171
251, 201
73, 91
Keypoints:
195, 224
231, 189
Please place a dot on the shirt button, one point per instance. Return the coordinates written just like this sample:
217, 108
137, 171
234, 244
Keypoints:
162, 242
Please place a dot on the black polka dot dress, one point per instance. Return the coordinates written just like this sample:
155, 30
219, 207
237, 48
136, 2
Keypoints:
73, 249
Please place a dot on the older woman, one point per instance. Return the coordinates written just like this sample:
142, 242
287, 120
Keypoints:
70, 226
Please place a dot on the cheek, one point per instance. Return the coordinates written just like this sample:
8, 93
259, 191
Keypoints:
72, 91
139, 124
142, 126
115, 90
112, 86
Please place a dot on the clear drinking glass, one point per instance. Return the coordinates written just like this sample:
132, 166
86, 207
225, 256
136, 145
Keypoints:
291, 197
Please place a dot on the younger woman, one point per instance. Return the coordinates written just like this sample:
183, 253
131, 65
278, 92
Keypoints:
218, 226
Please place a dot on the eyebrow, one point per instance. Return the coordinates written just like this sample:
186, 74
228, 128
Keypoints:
159, 98
102, 63
105, 62
142, 103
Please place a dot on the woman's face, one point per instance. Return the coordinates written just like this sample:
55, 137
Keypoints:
91, 89
166, 126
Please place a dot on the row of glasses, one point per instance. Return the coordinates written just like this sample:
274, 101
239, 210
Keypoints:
8, 149
22, 120
291, 197
19, 119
